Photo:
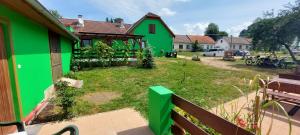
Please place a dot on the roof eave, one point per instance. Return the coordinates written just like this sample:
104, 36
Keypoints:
146, 16
41, 9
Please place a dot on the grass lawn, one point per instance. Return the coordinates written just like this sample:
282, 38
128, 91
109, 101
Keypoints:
190, 54
201, 84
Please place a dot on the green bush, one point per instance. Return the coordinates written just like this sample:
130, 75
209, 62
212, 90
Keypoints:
145, 58
104, 53
65, 98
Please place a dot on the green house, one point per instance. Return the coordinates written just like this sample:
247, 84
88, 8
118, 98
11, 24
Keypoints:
155, 33
150, 31
35, 51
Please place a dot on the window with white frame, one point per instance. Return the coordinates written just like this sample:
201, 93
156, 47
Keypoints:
180, 46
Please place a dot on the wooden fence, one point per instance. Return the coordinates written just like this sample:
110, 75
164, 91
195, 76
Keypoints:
163, 119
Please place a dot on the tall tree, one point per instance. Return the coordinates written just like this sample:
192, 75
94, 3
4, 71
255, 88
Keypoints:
195, 46
55, 13
244, 33
223, 34
272, 32
212, 30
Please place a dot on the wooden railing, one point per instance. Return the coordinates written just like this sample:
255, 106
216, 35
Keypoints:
207, 118
163, 119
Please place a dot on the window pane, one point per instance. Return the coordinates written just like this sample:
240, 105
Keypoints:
152, 28
86, 42
180, 46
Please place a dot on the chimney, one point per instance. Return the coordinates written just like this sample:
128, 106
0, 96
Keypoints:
119, 22
80, 21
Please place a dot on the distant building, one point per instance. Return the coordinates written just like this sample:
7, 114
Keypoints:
185, 42
205, 42
150, 31
182, 43
234, 43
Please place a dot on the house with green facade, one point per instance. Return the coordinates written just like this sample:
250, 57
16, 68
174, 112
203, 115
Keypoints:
35, 51
149, 31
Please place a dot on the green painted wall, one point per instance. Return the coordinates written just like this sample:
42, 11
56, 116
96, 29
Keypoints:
161, 40
66, 54
31, 49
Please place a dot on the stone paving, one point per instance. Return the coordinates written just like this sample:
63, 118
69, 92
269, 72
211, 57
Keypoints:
119, 122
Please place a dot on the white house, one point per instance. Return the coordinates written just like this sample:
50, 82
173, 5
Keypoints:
185, 42
205, 41
234, 43
182, 43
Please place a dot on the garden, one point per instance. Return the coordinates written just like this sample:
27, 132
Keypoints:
111, 88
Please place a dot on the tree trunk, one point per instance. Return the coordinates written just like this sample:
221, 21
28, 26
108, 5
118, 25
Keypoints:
292, 54
294, 58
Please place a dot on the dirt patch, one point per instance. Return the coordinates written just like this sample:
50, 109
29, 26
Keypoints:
48, 114
99, 98
214, 62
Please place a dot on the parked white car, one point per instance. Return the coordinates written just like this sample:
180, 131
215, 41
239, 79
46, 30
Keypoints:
214, 52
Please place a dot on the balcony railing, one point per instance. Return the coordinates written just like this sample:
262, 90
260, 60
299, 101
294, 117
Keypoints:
164, 120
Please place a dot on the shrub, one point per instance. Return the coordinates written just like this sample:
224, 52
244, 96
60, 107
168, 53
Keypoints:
148, 60
65, 98
71, 75
104, 53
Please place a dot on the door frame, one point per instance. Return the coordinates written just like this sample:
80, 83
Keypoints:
54, 34
5, 21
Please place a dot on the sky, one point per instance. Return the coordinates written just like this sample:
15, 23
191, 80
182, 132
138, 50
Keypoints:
182, 16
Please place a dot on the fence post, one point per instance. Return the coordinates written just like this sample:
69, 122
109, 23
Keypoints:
160, 106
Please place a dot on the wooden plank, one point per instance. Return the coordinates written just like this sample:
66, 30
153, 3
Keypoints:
6, 104
290, 76
209, 119
187, 125
55, 53
285, 85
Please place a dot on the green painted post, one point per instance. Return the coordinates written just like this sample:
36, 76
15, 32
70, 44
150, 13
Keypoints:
160, 106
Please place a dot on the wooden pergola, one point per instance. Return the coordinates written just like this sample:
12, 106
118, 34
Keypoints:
109, 37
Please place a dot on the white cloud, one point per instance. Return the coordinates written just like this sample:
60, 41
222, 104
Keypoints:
166, 12
235, 30
197, 28
182, 0
133, 9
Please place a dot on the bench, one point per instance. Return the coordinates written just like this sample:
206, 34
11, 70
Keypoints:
286, 98
290, 76
284, 90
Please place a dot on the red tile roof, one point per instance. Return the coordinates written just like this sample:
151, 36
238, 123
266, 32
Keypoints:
238, 40
201, 39
107, 27
96, 26
182, 39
